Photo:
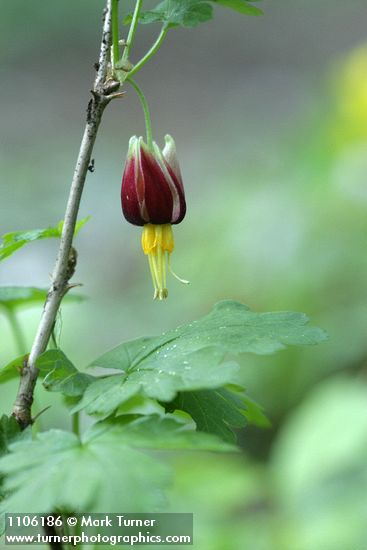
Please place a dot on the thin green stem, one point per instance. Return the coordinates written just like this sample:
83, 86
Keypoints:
53, 339
157, 44
132, 30
144, 103
17, 331
75, 423
115, 32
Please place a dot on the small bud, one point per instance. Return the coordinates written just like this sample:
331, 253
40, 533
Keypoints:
124, 65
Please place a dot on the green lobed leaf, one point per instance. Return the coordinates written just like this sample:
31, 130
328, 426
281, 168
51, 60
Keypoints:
158, 378
114, 467
57, 471
255, 414
215, 411
175, 13
240, 6
12, 369
61, 375
230, 326
24, 296
189, 13
219, 411
79, 224
12, 296
190, 357
9, 432
17, 239
157, 432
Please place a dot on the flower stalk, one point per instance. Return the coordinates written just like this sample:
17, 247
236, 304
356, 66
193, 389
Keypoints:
147, 117
153, 50
132, 30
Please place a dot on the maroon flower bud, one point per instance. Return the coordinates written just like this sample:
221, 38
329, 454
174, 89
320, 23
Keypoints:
152, 189
152, 195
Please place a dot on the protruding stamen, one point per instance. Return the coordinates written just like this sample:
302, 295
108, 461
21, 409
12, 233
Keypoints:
183, 281
154, 279
158, 244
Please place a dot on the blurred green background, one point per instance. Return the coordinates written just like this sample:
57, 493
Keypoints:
270, 120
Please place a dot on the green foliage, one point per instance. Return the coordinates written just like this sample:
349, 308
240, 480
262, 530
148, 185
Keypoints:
10, 432
175, 13
61, 375
157, 432
189, 13
160, 377
13, 296
24, 296
239, 6
231, 327
114, 465
254, 413
215, 411
108, 470
218, 411
12, 369
187, 359
17, 239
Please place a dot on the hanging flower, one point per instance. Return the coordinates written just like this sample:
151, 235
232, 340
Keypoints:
152, 195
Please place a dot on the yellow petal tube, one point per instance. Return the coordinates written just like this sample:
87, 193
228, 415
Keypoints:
158, 243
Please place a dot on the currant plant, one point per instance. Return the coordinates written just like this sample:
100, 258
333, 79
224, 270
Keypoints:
155, 394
